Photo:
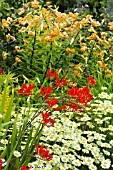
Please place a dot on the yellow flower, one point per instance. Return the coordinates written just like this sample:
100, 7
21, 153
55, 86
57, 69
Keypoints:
91, 29
83, 47
31, 33
102, 54
103, 34
92, 37
78, 66
76, 24
64, 34
77, 74
84, 22
111, 26
35, 4
23, 29
100, 41
4, 55
8, 36
48, 3
17, 48
95, 23
5, 23
54, 33
70, 51
21, 21
18, 60
25, 41
48, 39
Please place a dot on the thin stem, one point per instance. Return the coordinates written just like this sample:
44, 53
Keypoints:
49, 61
32, 55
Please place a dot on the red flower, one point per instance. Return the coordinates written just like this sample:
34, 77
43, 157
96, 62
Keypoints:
50, 74
43, 153
51, 102
1, 71
91, 81
64, 107
47, 119
46, 92
73, 92
74, 106
84, 95
24, 168
26, 90
0, 164
61, 83
58, 109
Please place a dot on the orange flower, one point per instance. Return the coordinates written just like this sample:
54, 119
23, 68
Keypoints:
76, 24
84, 22
92, 37
64, 34
4, 55
54, 33
95, 23
8, 36
21, 21
102, 54
17, 48
31, 33
25, 41
48, 39
18, 60
70, 51
83, 47
78, 66
5, 23
103, 34
111, 26
100, 41
35, 4
77, 74
48, 3
91, 29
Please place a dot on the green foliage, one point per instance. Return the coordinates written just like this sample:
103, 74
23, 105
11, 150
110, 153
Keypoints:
4, 8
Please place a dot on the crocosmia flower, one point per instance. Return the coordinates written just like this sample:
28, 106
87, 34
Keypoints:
47, 119
60, 83
0, 164
51, 102
25, 168
1, 71
26, 90
43, 153
46, 91
91, 81
51, 74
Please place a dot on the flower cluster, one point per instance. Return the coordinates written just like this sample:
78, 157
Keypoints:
79, 96
46, 91
51, 74
26, 90
43, 153
91, 81
47, 119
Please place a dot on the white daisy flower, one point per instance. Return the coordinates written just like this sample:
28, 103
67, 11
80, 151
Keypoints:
17, 154
105, 164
